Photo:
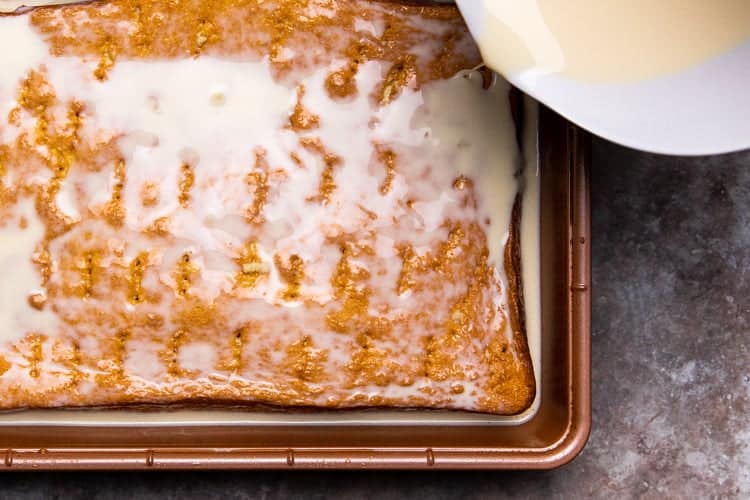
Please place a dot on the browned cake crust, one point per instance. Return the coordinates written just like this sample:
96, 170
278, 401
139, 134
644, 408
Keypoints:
521, 398
386, 297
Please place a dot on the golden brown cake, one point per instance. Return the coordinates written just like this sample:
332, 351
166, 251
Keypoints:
287, 202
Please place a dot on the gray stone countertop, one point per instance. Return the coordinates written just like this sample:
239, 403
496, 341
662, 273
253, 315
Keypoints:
671, 361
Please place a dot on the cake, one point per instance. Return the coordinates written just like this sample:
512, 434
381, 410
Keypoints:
294, 203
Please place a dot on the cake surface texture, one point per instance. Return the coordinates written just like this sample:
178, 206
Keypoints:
284, 202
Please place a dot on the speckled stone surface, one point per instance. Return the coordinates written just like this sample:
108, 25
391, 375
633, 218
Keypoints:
671, 361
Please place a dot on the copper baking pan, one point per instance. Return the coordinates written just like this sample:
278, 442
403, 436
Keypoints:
553, 435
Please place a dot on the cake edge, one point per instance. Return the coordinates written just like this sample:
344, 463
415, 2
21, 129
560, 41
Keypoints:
513, 272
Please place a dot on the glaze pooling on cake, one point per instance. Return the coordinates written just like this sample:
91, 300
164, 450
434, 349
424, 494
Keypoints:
314, 211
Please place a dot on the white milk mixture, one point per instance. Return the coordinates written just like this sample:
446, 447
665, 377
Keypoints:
194, 110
